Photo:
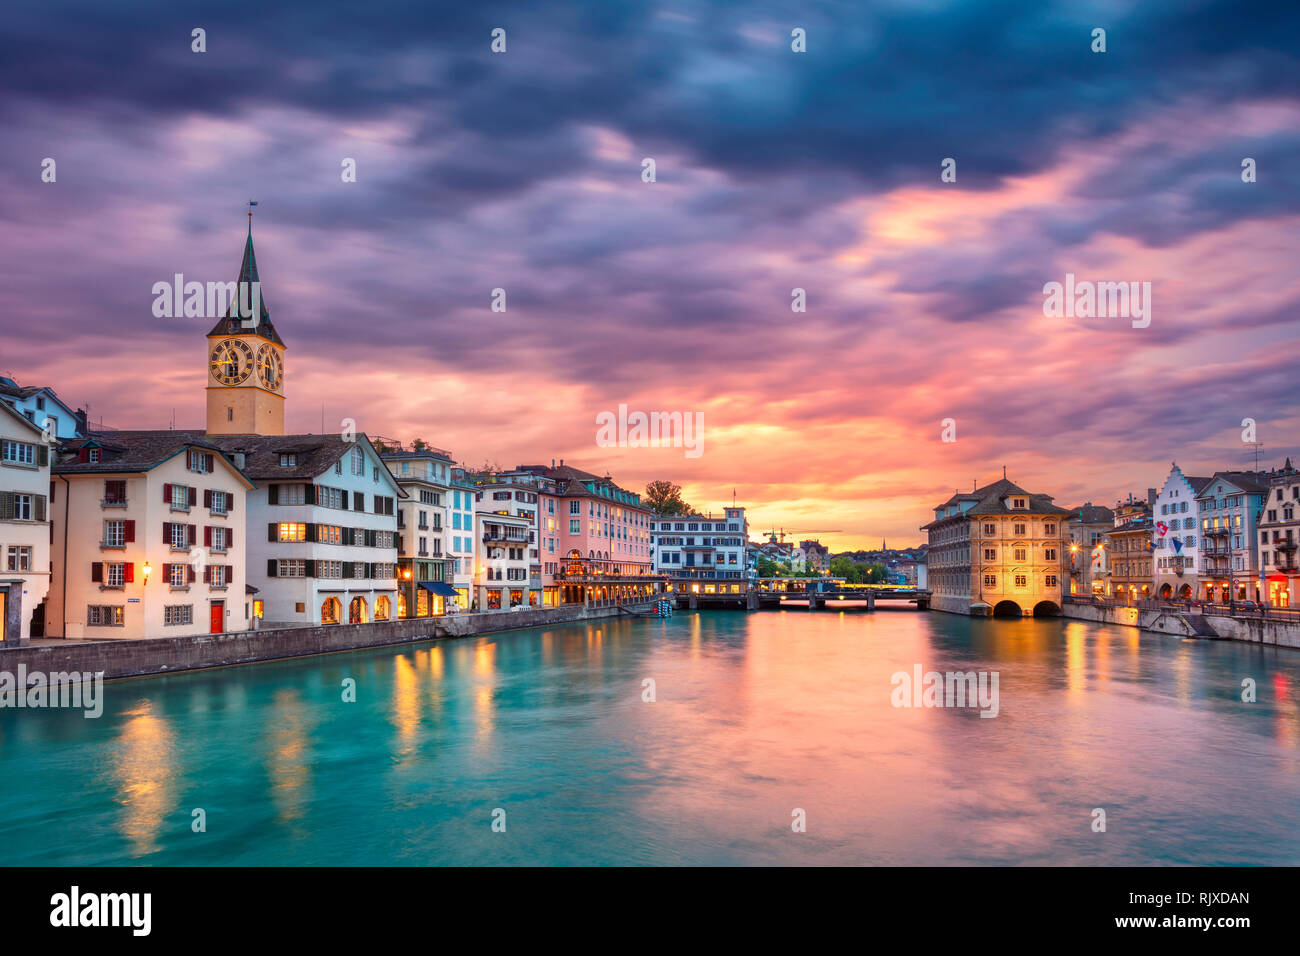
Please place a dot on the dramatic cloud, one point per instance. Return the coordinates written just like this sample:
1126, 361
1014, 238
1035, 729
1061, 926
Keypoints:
775, 170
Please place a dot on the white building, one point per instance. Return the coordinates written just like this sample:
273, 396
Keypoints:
148, 538
424, 584
501, 568
24, 526
708, 547
322, 527
43, 408
459, 539
1175, 539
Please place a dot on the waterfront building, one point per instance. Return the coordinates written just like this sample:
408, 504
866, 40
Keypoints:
501, 566
537, 497
997, 549
24, 526
148, 538
43, 408
1279, 532
1089, 562
424, 585
1229, 509
459, 540
1129, 545
1176, 536
706, 553
816, 556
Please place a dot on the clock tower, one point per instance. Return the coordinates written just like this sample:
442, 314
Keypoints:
245, 362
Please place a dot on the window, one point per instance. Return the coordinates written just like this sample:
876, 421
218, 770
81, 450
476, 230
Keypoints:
1022, 581
1050, 554
114, 534
177, 575
1017, 502
1018, 528
218, 575
180, 497
293, 531
1051, 581
104, 615
1020, 554
990, 580
115, 493
22, 507
220, 538
178, 535
288, 459
329, 569
990, 529
328, 497
115, 575
178, 614
1049, 528
575, 526
93, 455
292, 494
291, 568
199, 462
19, 453
329, 534
358, 462
220, 503
19, 558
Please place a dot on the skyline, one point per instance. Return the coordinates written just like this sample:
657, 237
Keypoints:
775, 171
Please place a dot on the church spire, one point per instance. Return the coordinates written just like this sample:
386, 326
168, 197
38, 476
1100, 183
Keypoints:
232, 323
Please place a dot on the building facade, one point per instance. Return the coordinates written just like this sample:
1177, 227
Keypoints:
24, 526
148, 538
424, 582
709, 549
1229, 509
1089, 562
43, 408
998, 549
1130, 547
1279, 532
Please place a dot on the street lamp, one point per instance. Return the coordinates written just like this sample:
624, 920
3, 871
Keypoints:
146, 569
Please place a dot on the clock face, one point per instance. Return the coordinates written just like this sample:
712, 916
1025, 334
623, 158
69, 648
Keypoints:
270, 367
231, 362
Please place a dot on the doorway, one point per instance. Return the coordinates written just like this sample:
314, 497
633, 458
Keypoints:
218, 617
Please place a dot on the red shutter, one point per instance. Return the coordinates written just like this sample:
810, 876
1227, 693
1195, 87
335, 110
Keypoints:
97, 571
167, 532
189, 573
230, 502
167, 573
130, 572
194, 496
207, 498
207, 574
230, 538
167, 494
194, 533
208, 463
207, 536
129, 534
83, 455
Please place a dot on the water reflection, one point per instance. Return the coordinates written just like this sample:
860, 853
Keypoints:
289, 761
146, 776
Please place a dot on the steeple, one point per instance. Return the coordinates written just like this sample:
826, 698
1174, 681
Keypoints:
232, 323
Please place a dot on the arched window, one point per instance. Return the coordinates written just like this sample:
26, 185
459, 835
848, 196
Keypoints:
330, 611
358, 613
383, 607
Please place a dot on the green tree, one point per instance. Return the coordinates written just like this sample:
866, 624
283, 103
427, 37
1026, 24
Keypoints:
665, 498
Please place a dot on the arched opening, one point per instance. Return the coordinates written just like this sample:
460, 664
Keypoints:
330, 611
1166, 592
1185, 592
358, 613
1007, 609
1047, 609
383, 607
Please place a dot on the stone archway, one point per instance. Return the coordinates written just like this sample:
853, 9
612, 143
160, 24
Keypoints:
1008, 609
1047, 609
331, 611
1166, 592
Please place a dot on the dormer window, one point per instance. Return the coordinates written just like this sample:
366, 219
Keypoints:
92, 455
1018, 503
288, 459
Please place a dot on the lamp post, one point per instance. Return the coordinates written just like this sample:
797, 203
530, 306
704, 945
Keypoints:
146, 569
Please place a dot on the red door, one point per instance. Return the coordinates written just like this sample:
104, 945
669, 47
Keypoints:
218, 617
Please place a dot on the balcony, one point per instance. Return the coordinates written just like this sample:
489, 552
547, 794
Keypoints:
490, 537
112, 502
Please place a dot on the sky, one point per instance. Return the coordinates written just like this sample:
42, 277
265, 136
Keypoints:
774, 170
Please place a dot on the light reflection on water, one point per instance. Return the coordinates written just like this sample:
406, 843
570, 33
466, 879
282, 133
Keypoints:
756, 715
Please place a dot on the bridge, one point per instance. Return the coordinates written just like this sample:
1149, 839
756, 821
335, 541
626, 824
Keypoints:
774, 593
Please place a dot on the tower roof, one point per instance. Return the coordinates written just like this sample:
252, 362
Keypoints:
231, 323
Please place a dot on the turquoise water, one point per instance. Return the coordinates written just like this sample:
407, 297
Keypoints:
755, 715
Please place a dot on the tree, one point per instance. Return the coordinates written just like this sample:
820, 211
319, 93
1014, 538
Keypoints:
665, 498
843, 567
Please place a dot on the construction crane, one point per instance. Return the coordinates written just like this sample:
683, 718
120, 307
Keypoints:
782, 532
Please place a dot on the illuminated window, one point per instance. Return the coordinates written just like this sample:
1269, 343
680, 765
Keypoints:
293, 531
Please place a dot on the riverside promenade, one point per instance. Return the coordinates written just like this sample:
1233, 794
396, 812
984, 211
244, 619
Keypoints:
1279, 627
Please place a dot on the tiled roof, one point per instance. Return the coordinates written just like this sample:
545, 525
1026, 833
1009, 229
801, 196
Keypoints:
131, 451
988, 501
1090, 513
423, 453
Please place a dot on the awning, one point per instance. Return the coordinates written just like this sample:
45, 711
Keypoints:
440, 588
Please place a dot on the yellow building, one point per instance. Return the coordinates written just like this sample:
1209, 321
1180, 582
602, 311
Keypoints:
998, 549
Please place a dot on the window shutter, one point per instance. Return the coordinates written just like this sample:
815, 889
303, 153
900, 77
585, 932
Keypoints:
207, 574
207, 536
271, 531
311, 532
194, 496
129, 533
38, 507
230, 502
370, 538
272, 494
129, 575
207, 498
97, 571
193, 534
52, 486
343, 500
189, 574
167, 494
348, 567
230, 538
167, 532
370, 570
399, 542
83, 455
309, 494
8, 500
270, 567
208, 463
310, 568
43, 455
358, 501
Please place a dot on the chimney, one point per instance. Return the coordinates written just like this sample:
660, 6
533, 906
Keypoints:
80, 415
